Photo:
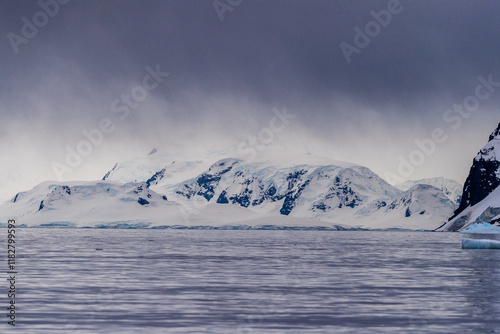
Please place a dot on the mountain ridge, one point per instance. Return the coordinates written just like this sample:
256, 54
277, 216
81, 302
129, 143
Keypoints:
309, 189
481, 192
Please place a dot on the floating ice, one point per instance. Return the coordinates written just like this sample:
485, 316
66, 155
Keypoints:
483, 228
480, 244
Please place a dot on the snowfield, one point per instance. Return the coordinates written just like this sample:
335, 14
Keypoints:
451, 188
91, 204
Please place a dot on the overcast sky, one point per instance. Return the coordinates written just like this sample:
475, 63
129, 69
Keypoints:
230, 66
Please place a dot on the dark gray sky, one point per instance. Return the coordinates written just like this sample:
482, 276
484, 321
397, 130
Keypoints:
225, 78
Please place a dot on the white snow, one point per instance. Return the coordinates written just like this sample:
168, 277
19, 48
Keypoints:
320, 192
88, 204
451, 188
489, 151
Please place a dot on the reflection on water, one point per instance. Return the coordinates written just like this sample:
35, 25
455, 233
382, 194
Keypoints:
173, 281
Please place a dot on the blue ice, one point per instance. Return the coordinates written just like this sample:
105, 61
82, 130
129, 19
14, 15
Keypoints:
480, 244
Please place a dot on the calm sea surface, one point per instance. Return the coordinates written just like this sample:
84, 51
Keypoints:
178, 281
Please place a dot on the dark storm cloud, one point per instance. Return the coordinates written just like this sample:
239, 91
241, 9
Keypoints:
227, 76
272, 51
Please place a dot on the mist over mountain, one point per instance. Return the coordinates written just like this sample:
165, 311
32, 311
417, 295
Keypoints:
172, 74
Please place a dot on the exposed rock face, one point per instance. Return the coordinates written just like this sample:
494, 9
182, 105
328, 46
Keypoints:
481, 195
484, 175
207, 183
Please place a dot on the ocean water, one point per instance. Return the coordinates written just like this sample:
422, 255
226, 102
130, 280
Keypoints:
177, 281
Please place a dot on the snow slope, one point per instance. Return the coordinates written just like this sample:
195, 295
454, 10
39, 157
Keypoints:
451, 188
141, 169
91, 204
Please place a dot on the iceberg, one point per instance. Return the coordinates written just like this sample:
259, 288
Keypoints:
480, 244
483, 228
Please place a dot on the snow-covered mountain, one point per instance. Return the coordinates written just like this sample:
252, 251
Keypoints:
285, 190
451, 188
91, 204
481, 194
273, 188
348, 196
303, 187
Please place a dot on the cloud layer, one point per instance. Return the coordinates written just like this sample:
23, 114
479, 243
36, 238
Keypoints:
225, 78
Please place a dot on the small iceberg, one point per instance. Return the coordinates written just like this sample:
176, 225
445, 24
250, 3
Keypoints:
482, 228
480, 244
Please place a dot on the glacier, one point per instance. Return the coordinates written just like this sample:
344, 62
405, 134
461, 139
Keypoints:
482, 228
